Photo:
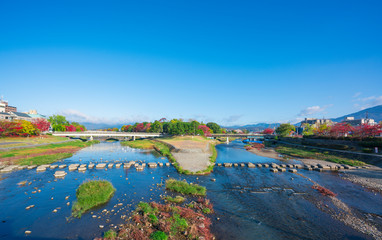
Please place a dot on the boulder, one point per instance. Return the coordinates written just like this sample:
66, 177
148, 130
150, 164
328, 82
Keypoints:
118, 165
273, 170
227, 164
62, 166
60, 174
152, 165
101, 165
53, 166
41, 168
251, 165
110, 165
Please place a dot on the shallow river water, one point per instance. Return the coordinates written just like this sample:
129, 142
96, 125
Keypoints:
249, 203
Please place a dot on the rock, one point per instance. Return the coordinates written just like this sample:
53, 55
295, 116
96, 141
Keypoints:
60, 174
308, 168
31, 167
83, 166
251, 165
9, 169
143, 164
91, 165
68, 203
242, 165
281, 169
101, 165
94, 216
319, 169
62, 166
101, 226
213, 179
22, 183
283, 165
266, 165
292, 170
28, 232
219, 164
82, 169
298, 166
227, 164
160, 164
139, 167
259, 165
273, 170
126, 165
235, 165
67, 197
53, 166
29, 207
110, 165
167, 164
41, 168
152, 165
118, 165
55, 210
73, 167
21, 167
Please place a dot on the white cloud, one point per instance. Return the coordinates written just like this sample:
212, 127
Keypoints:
232, 118
357, 94
368, 102
77, 116
312, 110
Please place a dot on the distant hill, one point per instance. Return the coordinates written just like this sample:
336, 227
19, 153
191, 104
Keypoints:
95, 126
255, 127
373, 113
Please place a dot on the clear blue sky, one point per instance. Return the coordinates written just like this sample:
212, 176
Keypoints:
232, 62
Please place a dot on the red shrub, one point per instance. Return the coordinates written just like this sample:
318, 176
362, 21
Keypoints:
324, 191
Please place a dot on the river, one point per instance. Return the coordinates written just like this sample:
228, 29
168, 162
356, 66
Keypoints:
249, 203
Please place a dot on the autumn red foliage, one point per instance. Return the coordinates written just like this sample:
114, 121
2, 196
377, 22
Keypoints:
324, 191
42, 124
268, 131
206, 130
70, 128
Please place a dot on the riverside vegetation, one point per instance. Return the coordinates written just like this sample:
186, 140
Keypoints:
46, 154
165, 151
91, 194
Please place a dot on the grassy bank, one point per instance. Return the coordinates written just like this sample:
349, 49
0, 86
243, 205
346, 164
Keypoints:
27, 141
185, 188
316, 154
160, 222
44, 154
91, 194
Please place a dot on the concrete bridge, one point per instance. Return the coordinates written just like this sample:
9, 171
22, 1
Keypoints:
108, 134
250, 136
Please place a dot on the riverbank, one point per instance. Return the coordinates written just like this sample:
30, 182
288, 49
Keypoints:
189, 154
45, 154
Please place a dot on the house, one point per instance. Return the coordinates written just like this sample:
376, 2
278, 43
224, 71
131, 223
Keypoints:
6, 116
20, 116
358, 122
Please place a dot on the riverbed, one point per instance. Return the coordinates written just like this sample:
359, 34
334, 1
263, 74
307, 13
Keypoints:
249, 203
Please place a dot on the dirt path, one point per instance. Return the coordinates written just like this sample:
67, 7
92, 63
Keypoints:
35, 145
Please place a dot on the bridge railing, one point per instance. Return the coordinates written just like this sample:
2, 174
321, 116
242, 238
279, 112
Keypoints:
109, 132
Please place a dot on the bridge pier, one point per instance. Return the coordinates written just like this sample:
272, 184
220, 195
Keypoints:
91, 138
227, 140
134, 138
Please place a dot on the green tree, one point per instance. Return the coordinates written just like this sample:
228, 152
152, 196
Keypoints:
156, 127
214, 127
58, 122
285, 129
308, 129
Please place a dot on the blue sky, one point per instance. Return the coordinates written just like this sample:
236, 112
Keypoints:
232, 62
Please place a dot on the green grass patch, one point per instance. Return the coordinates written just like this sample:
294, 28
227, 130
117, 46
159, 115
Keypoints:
140, 144
158, 235
177, 199
111, 234
45, 159
316, 154
206, 210
185, 188
91, 194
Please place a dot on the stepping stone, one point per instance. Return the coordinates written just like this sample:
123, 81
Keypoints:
9, 169
160, 164
227, 164
167, 164
41, 168
62, 166
319, 169
235, 165
259, 165
251, 165
126, 165
83, 166
308, 168
45, 165
266, 165
139, 168
101, 165
242, 165
274, 165
283, 165
118, 165
73, 167
282, 169
91, 165
152, 165
110, 165
299, 166
29, 207
82, 169
292, 170
144, 164
53, 166
21, 167
273, 170
60, 174
219, 164
348, 167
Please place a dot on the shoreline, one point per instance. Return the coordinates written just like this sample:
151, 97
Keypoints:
354, 176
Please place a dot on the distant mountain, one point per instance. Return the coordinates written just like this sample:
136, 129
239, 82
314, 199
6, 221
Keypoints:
95, 126
373, 113
255, 127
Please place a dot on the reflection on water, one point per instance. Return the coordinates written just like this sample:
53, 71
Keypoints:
250, 203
